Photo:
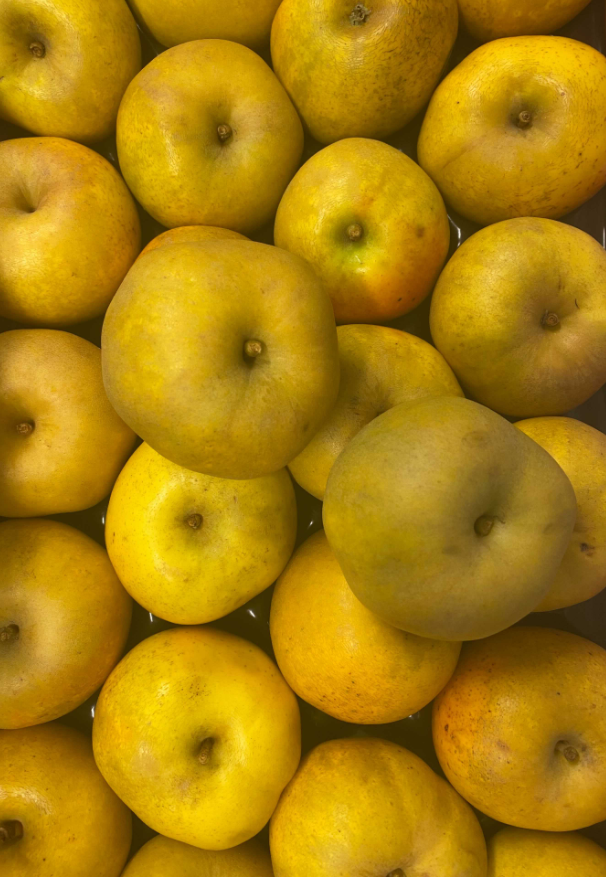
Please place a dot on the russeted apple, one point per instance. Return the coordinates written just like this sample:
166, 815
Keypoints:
58, 816
369, 806
163, 857
191, 547
519, 314
54, 580
447, 521
69, 231
198, 733
222, 355
206, 135
64, 65
519, 730
61, 442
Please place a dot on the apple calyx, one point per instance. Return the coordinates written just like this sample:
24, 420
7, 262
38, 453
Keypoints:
9, 633
568, 751
524, 119
205, 750
550, 320
358, 16
224, 132
10, 831
37, 49
25, 428
253, 348
195, 521
354, 231
484, 525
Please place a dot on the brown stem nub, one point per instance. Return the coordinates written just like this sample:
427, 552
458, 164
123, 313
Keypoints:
550, 320
483, 525
26, 427
524, 119
9, 633
568, 751
37, 49
205, 750
10, 831
253, 348
359, 14
224, 132
354, 231
195, 521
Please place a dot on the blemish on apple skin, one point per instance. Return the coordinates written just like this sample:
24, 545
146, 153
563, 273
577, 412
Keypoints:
589, 550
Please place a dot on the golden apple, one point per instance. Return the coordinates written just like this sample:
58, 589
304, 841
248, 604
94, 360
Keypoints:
516, 852
64, 65
207, 136
58, 816
367, 806
198, 734
518, 128
361, 69
222, 355
492, 19
192, 233
69, 231
380, 367
519, 729
61, 442
371, 223
64, 620
192, 548
163, 857
519, 314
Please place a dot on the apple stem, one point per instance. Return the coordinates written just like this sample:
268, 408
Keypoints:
9, 633
355, 231
483, 525
524, 119
25, 428
359, 14
205, 750
253, 348
37, 49
224, 132
550, 320
10, 831
195, 521
568, 751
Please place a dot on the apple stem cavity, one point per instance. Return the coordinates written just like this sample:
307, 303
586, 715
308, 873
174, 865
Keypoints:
205, 750
397, 873
483, 525
359, 15
355, 231
37, 49
569, 752
253, 348
10, 831
224, 132
195, 521
550, 320
524, 119
9, 633
25, 428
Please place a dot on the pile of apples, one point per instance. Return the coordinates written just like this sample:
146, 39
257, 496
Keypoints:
457, 495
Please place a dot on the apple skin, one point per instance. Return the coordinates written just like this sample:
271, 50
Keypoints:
198, 733
163, 857
519, 729
56, 77
516, 852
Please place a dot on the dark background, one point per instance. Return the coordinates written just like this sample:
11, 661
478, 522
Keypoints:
252, 620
